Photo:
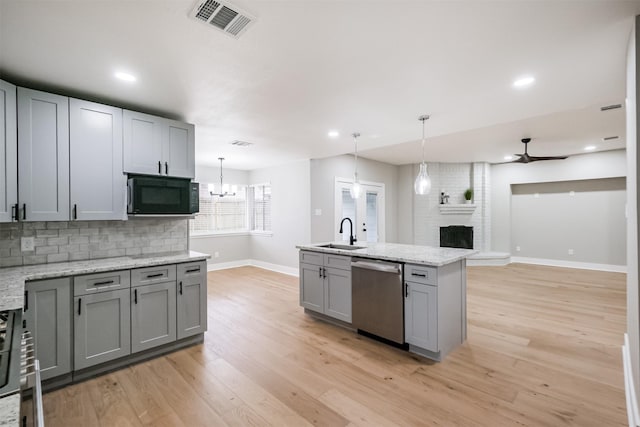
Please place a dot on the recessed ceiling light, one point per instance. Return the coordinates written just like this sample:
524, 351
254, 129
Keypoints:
524, 81
508, 157
589, 148
126, 77
333, 134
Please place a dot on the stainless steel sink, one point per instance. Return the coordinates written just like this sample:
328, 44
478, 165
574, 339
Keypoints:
344, 247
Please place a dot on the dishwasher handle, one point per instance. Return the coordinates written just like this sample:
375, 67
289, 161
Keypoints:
377, 266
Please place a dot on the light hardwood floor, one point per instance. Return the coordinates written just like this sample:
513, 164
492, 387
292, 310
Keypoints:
543, 350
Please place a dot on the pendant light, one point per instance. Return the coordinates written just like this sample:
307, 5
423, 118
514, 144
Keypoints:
221, 193
422, 185
355, 189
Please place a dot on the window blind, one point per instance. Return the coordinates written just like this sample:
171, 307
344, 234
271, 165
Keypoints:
221, 214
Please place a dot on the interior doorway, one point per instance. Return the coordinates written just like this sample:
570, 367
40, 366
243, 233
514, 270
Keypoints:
366, 212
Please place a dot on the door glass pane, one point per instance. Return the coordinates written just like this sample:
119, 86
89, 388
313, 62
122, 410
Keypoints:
372, 216
348, 211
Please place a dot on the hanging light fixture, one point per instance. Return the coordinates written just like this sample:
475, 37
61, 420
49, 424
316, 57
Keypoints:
355, 189
422, 185
222, 193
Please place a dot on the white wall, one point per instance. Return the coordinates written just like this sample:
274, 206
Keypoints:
290, 213
323, 174
633, 318
406, 177
606, 164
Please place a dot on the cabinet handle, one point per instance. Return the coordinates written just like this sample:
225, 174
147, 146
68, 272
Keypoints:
320, 272
151, 276
26, 300
75, 211
15, 212
180, 288
193, 270
24, 211
418, 275
135, 296
106, 282
166, 168
406, 290
159, 166
324, 272
79, 306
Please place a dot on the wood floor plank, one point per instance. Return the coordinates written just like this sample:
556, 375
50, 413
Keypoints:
543, 350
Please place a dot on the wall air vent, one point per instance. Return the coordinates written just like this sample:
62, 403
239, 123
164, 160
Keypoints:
610, 107
239, 143
223, 16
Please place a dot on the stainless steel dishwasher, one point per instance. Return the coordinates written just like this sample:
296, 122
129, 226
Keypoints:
378, 299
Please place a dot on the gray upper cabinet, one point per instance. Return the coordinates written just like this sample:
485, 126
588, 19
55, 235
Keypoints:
43, 156
157, 146
192, 299
8, 153
47, 314
153, 315
97, 182
102, 328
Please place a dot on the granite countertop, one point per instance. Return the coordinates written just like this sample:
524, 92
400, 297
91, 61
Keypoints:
10, 411
413, 254
12, 278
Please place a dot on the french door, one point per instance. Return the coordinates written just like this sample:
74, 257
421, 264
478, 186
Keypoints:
366, 212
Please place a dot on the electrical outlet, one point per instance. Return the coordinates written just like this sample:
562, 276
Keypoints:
536, 196
27, 244
570, 251
216, 254
517, 248
318, 212
572, 193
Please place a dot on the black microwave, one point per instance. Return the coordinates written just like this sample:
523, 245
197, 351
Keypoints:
151, 195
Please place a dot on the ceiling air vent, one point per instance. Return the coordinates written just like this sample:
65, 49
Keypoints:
223, 16
239, 143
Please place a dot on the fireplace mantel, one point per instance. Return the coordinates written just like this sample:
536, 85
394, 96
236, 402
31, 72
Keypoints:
457, 209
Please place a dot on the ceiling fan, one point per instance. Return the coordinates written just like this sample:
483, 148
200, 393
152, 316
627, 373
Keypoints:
526, 158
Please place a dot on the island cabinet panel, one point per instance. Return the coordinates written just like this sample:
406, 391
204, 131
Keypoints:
337, 294
47, 315
311, 287
314, 258
421, 315
192, 298
8, 153
102, 328
153, 315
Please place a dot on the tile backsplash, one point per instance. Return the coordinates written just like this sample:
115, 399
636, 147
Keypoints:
81, 240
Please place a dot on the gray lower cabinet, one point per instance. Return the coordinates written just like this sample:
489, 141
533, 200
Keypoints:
191, 298
47, 315
325, 284
101, 327
153, 315
421, 315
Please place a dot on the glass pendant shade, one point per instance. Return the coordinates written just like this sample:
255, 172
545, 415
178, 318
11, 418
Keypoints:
356, 188
422, 184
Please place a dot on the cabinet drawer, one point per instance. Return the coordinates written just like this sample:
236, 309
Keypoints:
101, 282
337, 261
155, 274
421, 274
191, 269
308, 257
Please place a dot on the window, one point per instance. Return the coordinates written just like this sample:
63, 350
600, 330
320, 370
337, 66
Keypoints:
219, 215
260, 207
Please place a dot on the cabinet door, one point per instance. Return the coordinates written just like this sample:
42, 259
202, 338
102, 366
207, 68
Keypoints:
47, 313
311, 287
43, 155
97, 182
179, 149
142, 141
421, 316
8, 152
337, 294
153, 315
192, 299
101, 328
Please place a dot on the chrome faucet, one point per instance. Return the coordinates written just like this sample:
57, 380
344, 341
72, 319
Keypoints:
351, 237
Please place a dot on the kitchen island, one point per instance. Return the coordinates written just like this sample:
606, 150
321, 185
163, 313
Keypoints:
425, 296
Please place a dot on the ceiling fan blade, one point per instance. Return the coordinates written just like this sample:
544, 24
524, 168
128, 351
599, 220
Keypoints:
537, 158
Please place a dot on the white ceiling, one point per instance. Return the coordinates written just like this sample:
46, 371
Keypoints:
309, 66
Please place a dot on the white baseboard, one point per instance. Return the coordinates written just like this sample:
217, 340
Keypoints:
571, 264
629, 389
291, 271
